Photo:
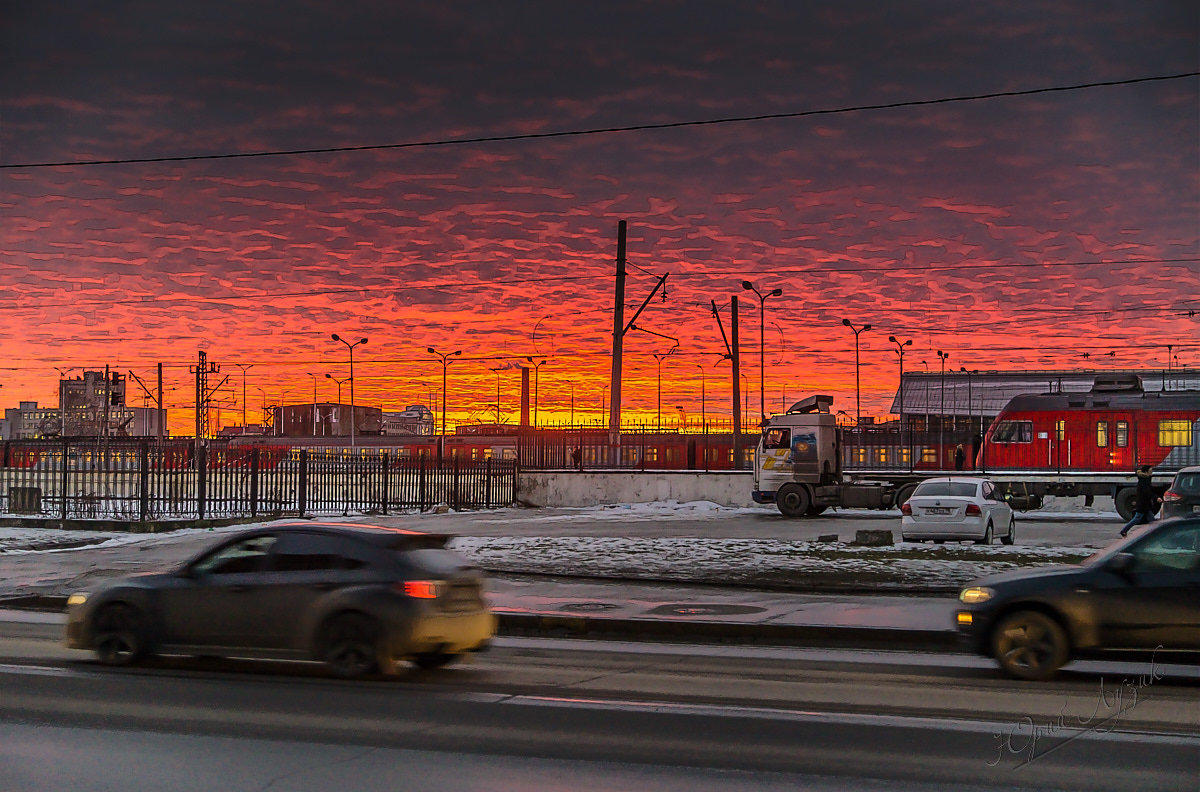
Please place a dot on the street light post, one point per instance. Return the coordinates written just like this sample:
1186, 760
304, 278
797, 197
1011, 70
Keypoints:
316, 378
857, 389
244, 367
659, 357
942, 418
350, 347
703, 402
762, 368
339, 382
900, 351
445, 358
497, 371
536, 368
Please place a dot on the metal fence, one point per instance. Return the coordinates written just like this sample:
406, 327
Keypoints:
143, 481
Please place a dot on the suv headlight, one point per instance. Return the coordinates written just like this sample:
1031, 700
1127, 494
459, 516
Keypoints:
976, 594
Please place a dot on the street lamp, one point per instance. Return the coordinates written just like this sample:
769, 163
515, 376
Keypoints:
703, 402
536, 367
316, 378
857, 389
659, 357
942, 418
497, 371
350, 347
900, 351
339, 384
445, 357
762, 369
244, 367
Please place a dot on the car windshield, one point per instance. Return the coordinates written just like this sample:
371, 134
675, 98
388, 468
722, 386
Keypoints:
957, 489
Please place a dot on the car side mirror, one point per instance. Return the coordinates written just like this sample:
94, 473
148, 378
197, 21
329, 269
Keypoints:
1121, 563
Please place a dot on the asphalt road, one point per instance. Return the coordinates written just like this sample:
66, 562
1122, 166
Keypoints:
552, 714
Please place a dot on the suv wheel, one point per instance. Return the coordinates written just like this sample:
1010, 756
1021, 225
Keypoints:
350, 645
1030, 645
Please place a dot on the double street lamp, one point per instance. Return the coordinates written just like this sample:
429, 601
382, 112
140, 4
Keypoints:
762, 368
350, 347
857, 389
660, 357
536, 368
445, 358
900, 351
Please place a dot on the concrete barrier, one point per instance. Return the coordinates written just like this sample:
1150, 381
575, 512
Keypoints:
572, 488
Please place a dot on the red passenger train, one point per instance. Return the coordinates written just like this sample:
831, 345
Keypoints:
1113, 428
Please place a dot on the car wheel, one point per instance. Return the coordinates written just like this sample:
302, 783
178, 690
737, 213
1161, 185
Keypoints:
1030, 645
793, 500
431, 660
119, 635
1011, 537
987, 535
350, 645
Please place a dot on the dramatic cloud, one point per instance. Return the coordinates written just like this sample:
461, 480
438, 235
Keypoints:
1018, 232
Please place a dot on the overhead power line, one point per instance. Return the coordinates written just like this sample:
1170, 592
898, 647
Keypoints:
605, 130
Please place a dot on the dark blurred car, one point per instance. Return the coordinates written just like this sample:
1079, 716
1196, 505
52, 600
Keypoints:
356, 597
1140, 594
1183, 496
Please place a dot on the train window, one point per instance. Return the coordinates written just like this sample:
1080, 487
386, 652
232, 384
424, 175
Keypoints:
881, 456
1175, 432
1122, 434
776, 438
860, 455
1101, 434
1060, 430
1013, 432
905, 455
929, 455
651, 455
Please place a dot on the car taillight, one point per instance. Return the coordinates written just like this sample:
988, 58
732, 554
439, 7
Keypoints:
973, 510
421, 589
1171, 496
906, 509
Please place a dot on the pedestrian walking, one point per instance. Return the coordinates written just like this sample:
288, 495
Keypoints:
1144, 502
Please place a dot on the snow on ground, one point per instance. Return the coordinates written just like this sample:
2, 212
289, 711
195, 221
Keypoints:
774, 563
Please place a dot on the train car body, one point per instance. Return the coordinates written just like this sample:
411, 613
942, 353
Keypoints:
1112, 429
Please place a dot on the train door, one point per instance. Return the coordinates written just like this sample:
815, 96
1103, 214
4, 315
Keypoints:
1059, 456
1114, 441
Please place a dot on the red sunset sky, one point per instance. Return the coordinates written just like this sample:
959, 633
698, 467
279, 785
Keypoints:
1017, 232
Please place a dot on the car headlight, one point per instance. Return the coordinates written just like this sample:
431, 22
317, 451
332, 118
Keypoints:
77, 598
976, 594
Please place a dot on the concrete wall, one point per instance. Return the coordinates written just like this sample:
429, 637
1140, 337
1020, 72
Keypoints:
590, 488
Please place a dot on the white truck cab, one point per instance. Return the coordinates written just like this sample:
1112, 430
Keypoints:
798, 459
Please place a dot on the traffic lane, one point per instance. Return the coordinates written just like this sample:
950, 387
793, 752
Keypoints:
1135, 695
656, 734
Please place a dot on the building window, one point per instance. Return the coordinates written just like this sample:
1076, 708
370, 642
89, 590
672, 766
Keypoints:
1122, 434
1175, 432
1101, 434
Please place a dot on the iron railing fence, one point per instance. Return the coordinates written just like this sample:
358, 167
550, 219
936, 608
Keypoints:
142, 481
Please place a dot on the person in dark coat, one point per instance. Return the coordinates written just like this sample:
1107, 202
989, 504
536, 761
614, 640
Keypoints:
960, 457
1145, 501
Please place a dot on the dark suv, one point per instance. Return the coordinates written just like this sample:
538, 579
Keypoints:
1140, 594
1183, 496
356, 597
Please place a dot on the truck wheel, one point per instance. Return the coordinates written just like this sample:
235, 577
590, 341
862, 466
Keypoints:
793, 500
903, 494
1124, 500
815, 511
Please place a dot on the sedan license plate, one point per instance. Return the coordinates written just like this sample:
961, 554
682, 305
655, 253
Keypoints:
938, 510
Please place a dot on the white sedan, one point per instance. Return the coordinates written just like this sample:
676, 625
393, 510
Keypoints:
957, 508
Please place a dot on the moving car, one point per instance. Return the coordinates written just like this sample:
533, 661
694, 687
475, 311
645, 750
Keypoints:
356, 597
1183, 496
1137, 595
956, 508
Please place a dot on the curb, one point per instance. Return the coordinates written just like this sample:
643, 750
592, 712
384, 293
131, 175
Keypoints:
670, 631
817, 636
126, 526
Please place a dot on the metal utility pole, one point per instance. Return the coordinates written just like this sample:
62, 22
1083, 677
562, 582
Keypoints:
244, 367
162, 412
618, 341
736, 359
